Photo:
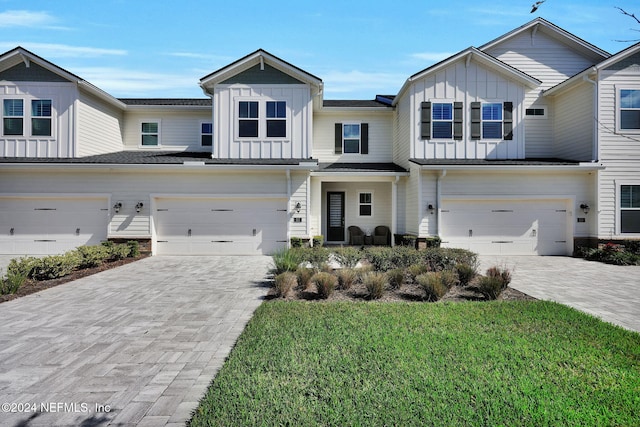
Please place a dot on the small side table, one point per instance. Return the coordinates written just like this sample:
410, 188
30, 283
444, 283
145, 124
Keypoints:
368, 240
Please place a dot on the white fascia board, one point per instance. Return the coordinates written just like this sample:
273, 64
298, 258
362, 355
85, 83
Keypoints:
358, 175
150, 167
168, 107
357, 109
101, 94
579, 167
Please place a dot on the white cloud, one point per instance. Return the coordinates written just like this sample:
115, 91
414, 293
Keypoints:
361, 85
30, 19
431, 56
51, 50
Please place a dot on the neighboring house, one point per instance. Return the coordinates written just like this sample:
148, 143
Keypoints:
529, 144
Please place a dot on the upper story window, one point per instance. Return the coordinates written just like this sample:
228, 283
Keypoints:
206, 134
13, 117
629, 109
41, 117
352, 138
248, 119
276, 119
150, 134
442, 120
630, 208
536, 113
492, 120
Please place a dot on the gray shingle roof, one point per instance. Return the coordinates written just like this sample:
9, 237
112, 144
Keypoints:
360, 167
487, 162
354, 103
205, 102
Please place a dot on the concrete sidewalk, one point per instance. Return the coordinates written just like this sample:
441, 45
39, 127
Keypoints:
610, 292
136, 345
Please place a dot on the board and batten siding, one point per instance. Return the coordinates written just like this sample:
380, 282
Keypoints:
297, 144
179, 129
573, 123
467, 83
62, 142
380, 136
99, 128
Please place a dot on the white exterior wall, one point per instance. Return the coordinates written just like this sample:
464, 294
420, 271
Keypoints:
467, 84
99, 127
179, 128
402, 137
574, 119
413, 196
297, 145
380, 136
299, 194
62, 142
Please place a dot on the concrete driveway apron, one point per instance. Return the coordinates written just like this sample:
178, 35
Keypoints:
135, 345
610, 292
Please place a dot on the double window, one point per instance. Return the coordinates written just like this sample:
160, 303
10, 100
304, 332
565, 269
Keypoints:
444, 120
14, 117
352, 138
630, 209
629, 107
251, 125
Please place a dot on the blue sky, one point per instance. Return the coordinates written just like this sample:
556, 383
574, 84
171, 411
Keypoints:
135, 48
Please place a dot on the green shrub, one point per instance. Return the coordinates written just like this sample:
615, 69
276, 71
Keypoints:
466, 273
304, 277
12, 282
417, 269
21, 266
284, 283
490, 286
296, 242
433, 242
134, 248
387, 258
407, 240
364, 270
315, 256
92, 256
449, 278
612, 253
325, 284
396, 277
348, 257
432, 285
439, 259
286, 260
118, 252
55, 266
347, 277
632, 246
375, 282
318, 241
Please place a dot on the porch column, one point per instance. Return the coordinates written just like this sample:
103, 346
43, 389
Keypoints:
316, 206
394, 209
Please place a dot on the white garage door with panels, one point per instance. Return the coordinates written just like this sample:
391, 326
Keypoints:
220, 226
507, 227
51, 225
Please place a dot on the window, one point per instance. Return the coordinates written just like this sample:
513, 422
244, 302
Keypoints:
629, 109
206, 134
442, 120
492, 120
13, 117
351, 138
248, 119
630, 208
365, 204
276, 119
535, 113
150, 134
41, 117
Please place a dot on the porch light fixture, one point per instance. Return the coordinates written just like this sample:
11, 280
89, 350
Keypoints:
139, 207
298, 206
117, 207
585, 208
430, 208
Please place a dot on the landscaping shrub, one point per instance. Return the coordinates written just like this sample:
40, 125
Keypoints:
490, 286
286, 260
325, 283
387, 258
134, 248
92, 256
347, 277
284, 282
612, 253
503, 274
296, 242
432, 285
348, 257
304, 277
417, 269
55, 266
21, 266
396, 277
375, 282
632, 246
439, 259
316, 256
466, 273
406, 240
449, 278
433, 242
318, 241
12, 282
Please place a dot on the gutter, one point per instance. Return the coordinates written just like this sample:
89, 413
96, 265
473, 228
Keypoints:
584, 166
200, 166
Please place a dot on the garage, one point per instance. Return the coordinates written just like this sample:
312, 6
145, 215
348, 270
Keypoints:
219, 226
51, 225
507, 227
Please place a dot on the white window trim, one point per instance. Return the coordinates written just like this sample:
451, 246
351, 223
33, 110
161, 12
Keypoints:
159, 122
544, 116
618, 208
201, 134
442, 101
262, 118
31, 117
359, 204
359, 153
27, 131
483, 121
618, 119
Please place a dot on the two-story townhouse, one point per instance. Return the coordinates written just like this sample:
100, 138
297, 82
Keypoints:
525, 145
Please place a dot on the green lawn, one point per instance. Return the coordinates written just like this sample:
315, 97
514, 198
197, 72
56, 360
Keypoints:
461, 364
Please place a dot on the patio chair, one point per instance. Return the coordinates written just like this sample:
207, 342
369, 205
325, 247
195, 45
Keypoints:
382, 235
356, 235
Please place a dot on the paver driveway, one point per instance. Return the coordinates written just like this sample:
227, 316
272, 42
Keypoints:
610, 292
136, 345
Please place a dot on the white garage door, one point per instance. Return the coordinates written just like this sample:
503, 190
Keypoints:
497, 227
209, 226
41, 226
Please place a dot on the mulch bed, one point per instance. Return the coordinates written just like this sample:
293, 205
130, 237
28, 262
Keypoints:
33, 286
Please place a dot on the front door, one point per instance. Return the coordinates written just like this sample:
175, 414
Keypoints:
335, 216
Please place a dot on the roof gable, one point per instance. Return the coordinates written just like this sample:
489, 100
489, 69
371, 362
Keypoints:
31, 73
262, 74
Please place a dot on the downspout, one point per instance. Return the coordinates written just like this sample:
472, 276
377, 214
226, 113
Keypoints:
596, 115
394, 209
288, 173
442, 174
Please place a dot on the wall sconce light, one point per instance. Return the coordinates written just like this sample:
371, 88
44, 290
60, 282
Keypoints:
11, 232
585, 208
431, 208
139, 207
298, 206
117, 207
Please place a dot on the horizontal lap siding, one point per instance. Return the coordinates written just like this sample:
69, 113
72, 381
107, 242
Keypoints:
99, 127
179, 130
299, 195
574, 122
402, 137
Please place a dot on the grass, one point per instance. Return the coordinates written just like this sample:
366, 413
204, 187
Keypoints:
473, 364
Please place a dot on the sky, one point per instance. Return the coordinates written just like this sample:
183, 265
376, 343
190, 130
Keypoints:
161, 49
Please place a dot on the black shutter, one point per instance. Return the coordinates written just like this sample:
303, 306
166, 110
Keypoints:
364, 138
457, 120
338, 146
476, 124
425, 120
507, 121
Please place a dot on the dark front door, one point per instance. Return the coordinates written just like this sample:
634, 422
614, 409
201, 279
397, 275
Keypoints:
335, 216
